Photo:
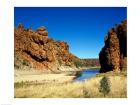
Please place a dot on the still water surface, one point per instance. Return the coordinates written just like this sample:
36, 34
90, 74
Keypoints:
86, 74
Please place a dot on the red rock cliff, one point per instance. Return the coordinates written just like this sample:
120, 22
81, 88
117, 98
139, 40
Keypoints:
114, 54
33, 49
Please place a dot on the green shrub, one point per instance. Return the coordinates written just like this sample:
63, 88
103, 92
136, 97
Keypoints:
104, 86
18, 84
78, 64
78, 73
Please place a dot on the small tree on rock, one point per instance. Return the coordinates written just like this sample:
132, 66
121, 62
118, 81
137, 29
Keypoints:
104, 86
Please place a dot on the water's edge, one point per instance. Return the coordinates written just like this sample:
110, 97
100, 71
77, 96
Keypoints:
86, 74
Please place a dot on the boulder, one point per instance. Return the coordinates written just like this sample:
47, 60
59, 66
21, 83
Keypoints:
42, 28
20, 27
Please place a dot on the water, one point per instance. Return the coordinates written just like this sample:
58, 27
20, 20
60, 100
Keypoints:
86, 74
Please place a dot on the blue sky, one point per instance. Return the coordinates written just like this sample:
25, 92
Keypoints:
83, 28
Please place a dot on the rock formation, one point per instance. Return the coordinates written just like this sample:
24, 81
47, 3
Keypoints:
33, 49
113, 56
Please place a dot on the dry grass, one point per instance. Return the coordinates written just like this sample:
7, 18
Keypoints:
87, 89
39, 76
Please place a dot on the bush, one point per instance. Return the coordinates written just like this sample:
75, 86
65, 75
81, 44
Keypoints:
104, 86
18, 84
78, 73
78, 64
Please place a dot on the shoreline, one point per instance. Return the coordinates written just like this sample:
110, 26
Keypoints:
44, 76
96, 67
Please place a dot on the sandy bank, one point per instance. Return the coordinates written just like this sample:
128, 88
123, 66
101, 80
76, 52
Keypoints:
38, 76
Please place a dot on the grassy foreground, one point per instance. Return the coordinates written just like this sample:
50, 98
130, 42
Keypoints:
87, 89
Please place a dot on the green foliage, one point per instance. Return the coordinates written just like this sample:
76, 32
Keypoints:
78, 73
18, 84
104, 86
78, 63
86, 62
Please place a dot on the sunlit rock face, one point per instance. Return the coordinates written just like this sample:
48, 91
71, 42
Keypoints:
33, 48
113, 56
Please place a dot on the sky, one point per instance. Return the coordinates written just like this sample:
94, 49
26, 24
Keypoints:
83, 28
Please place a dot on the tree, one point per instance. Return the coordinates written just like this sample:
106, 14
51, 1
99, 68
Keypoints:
104, 86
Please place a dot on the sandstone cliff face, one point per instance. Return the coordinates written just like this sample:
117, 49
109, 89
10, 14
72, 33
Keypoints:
33, 49
113, 56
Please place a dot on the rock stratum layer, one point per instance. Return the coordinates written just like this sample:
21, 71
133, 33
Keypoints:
33, 49
113, 56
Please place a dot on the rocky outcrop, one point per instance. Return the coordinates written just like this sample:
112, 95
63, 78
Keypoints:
33, 49
113, 56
